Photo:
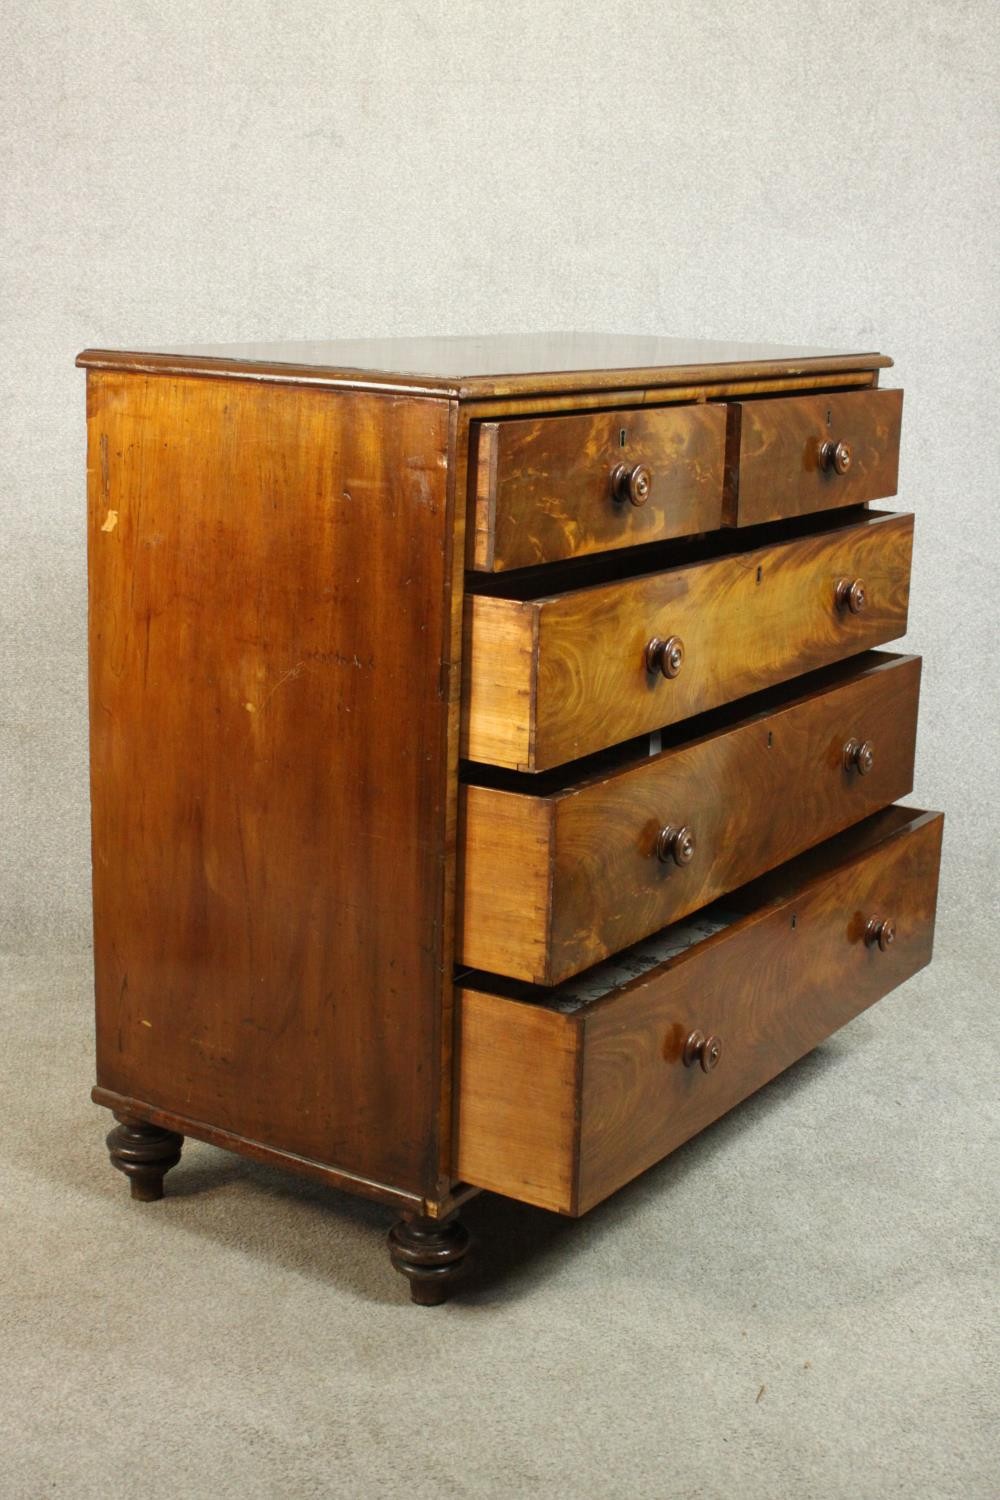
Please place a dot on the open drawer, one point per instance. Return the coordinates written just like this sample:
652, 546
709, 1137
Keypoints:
566, 1094
557, 668
558, 871
796, 454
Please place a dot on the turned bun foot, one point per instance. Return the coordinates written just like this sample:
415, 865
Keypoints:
430, 1253
144, 1153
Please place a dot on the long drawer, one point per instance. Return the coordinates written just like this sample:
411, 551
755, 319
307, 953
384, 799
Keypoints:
567, 1094
553, 882
549, 679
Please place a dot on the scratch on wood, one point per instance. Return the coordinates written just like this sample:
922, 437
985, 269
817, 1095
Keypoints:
288, 676
105, 470
110, 521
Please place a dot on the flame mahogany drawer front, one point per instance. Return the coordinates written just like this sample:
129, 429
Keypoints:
564, 672
552, 881
806, 453
554, 487
491, 765
566, 1095
547, 488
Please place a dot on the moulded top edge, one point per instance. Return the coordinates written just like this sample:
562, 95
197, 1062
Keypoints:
468, 368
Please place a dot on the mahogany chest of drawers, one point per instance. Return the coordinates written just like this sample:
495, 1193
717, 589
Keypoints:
494, 766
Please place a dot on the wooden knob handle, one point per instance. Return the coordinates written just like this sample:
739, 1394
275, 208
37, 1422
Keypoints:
880, 932
704, 1050
666, 656
675, 844
859, 755
631, 482
852, 595
835, 457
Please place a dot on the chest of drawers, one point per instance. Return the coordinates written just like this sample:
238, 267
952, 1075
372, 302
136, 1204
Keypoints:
494, 767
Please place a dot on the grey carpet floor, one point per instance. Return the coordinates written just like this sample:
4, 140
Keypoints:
799, 1303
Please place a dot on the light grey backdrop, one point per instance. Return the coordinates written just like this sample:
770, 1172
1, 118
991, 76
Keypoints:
199, 170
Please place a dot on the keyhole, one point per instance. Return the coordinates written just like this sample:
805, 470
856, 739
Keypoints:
770, 739
760, 572
794, 920
622, 437
829, 418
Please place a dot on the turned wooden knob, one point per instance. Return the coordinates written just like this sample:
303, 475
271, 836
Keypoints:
852, 595
859, 755
835, 457
675, 844
631, 482
666, 656
705, 1050
880, 932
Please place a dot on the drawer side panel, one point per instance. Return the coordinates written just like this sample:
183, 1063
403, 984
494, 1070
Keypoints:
517, 1126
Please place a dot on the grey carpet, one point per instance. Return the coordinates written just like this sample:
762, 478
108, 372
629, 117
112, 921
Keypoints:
798, 1303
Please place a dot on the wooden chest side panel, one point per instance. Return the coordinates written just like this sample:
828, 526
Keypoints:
269, 760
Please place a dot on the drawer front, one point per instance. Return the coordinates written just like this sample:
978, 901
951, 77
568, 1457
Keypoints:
552, 884
560, 1109
550, 680
547, 488
788, 457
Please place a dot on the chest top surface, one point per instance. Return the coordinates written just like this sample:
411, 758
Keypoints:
493, 365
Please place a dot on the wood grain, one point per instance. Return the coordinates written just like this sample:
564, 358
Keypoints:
499, 696
270, 575
541, 403
748, 619
543, 489
773, 453
497, 365
772, 985
506, 868
553, 883
517, 1099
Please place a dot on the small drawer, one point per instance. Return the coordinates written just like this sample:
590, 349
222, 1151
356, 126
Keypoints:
565, 1095
550, 679
793, 455
547, 488
555, 881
